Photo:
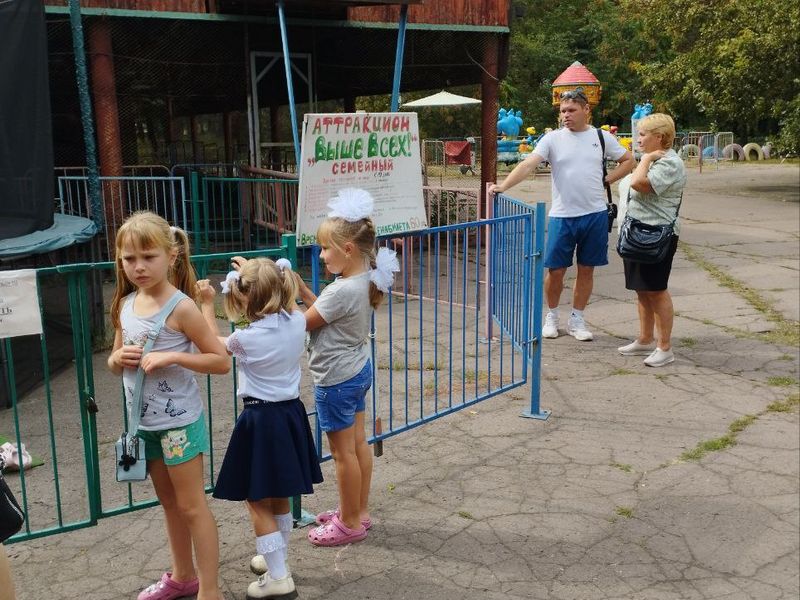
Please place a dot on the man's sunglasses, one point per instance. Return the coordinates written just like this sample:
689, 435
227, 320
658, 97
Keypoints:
573, 95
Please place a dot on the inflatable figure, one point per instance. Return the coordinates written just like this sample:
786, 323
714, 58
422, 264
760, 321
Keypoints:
509, 122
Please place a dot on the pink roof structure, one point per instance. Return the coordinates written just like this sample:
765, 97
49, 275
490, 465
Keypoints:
576, 73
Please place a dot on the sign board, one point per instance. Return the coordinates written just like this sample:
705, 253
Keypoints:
19, 304
378, 152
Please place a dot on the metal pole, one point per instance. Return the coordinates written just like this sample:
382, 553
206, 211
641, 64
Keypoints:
536, 411
398, 57
289, 87
86, 112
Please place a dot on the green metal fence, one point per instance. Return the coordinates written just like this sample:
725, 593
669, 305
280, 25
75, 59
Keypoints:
64, 405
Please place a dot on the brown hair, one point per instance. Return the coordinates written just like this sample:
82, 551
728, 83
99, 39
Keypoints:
147, 230
336, 232
262, 289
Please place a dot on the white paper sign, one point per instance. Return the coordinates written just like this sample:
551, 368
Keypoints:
19, 304
378, 152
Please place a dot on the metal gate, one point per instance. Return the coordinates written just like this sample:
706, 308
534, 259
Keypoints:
429, 349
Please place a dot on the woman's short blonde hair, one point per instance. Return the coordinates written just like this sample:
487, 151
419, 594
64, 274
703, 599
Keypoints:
660, 124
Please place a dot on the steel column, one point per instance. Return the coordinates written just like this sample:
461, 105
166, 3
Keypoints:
287, 64
398, 57
86, 111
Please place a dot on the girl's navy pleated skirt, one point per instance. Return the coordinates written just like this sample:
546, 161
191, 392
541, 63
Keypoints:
271, 454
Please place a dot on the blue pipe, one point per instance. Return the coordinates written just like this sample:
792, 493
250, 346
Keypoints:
398, 57
287, 65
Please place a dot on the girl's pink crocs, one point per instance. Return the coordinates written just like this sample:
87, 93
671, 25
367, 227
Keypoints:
167, 589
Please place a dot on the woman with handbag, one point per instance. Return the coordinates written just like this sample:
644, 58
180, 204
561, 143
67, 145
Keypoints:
656, 189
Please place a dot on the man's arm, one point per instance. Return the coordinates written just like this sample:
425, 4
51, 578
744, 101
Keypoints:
624, 166
520, 172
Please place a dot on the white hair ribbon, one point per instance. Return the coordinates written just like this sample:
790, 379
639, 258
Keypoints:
351, 204
386, 266
229, 278
283, 264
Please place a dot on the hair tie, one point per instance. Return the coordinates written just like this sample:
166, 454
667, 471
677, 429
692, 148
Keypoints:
351, 204
283, 264
231, 277
386, 265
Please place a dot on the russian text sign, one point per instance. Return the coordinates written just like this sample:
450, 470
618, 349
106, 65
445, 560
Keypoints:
19, 304
378, 152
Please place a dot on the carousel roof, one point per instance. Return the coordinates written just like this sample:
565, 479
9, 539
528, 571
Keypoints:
574, 74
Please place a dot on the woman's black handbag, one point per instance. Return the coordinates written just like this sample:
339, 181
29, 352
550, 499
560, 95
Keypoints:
643, 243
11, 516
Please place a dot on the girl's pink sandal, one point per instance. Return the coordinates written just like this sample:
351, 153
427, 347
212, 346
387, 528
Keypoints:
335, 533
326, 516
167, 589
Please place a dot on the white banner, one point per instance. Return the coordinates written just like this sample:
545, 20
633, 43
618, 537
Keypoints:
19, 304
378, 152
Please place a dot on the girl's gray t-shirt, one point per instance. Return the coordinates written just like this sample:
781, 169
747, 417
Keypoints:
339, 350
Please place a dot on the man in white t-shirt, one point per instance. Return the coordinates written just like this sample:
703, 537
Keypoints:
578, 220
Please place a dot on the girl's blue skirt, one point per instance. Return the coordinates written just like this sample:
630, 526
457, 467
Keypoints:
271, 453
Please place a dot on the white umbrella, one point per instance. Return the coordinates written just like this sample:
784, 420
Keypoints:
441, 99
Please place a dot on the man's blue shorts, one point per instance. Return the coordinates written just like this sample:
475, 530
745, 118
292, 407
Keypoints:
587, 233
338, 404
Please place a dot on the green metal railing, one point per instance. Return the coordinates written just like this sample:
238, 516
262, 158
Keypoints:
240, 212
68, 491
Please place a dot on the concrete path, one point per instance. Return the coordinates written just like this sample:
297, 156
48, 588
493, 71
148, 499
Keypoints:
672, 483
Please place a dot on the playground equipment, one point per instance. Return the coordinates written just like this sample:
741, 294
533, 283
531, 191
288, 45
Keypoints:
577, 77
512, 148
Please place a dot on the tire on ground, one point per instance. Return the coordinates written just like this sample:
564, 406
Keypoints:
753, 151
690, 151
733, 152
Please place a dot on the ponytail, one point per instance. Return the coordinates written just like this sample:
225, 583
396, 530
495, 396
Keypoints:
375, 295
182, 274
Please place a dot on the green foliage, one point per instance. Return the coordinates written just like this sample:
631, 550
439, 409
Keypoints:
728, 65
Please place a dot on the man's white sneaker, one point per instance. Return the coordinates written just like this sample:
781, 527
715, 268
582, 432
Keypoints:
267, 587
577, 329
659, 358
550, 327
637, 349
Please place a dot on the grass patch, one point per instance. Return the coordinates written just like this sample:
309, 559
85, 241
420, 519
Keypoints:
782, 381
688, 342
786, 332
622, 371
742, 423
661, 377
788, 405
465, 515
624, 511
715, 445
622, 467
786, 357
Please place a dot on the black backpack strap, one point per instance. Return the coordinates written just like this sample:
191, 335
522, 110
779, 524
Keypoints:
603, 160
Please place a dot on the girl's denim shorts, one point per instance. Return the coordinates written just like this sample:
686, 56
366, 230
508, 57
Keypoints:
338, 404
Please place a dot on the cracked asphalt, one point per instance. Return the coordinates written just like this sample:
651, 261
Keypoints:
597, 501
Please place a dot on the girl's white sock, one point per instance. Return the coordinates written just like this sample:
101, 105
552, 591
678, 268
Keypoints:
285, 526
272, 548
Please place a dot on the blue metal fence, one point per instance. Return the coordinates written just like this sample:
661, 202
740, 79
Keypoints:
431, 354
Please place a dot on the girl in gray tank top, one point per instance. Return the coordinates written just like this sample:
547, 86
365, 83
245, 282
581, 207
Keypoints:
152, 266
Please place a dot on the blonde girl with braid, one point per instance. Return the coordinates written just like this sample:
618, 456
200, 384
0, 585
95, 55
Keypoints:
271, 454
339, 322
